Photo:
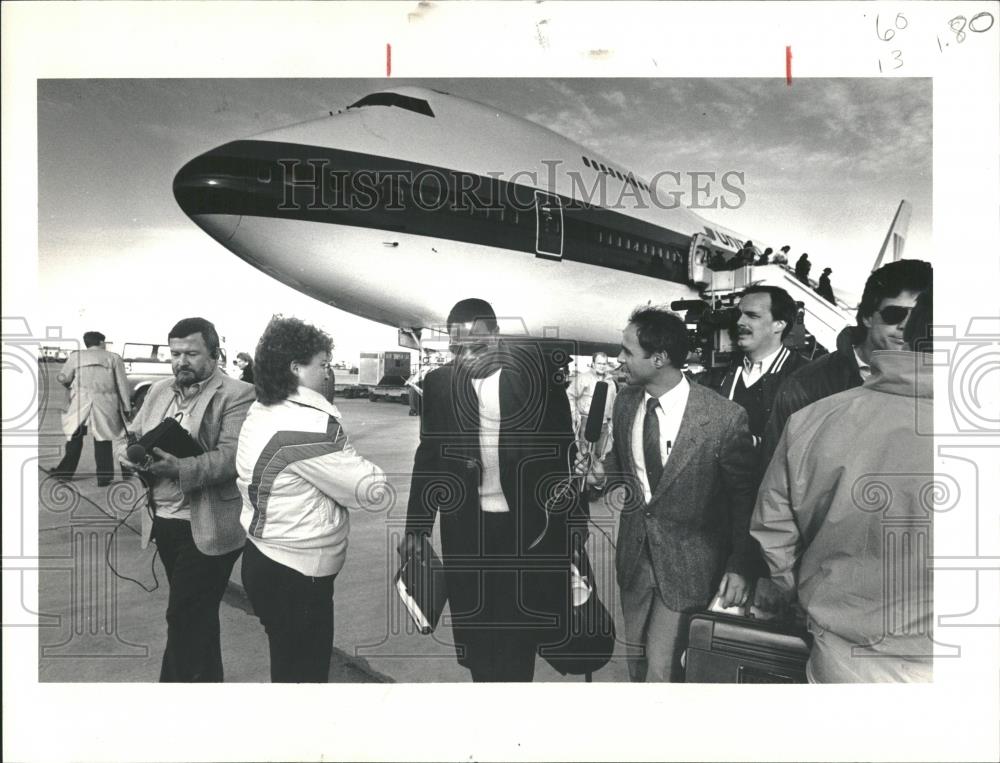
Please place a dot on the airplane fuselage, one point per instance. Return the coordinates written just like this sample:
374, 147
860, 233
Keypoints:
414, 199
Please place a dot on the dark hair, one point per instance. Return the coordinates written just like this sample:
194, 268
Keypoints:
783, 307
471, 310
190, 326
245, 356
917, 331
889, 281
92, 338
660, 330
284, 341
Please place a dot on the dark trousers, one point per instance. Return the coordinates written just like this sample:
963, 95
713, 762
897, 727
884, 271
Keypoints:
498, 650
297, 613
197, 583
102, 455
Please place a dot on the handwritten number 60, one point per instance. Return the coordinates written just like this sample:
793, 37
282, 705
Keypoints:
901, 23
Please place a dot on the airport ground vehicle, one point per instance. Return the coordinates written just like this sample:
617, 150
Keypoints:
144, 364
372, 369
48, 354
390, 387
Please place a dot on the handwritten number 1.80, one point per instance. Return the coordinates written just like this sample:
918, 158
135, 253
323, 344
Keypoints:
958, 25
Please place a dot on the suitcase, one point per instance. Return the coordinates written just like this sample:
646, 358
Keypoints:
732, 649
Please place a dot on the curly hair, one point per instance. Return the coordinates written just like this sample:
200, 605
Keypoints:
284, 341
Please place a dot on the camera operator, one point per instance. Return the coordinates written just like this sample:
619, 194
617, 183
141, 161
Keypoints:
766, 317
195, 505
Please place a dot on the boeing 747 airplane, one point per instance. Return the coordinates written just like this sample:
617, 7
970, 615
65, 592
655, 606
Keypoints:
412, 199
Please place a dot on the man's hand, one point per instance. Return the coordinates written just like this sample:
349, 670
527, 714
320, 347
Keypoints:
770, 598
592, 467
733, 590
166, 465
127, 465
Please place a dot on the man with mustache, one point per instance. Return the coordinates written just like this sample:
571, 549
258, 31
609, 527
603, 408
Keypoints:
194, 515
766, 317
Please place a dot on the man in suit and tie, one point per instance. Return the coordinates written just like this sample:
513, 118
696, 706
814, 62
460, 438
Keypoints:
195, 504
683, 468
495, 439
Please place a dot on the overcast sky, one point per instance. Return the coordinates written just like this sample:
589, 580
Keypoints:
826, 163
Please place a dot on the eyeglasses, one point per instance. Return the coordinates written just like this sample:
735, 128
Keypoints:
894, 314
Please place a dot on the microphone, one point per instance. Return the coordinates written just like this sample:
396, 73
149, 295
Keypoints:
595, 416
137, 454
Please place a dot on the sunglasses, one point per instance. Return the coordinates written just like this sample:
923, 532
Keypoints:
894, 314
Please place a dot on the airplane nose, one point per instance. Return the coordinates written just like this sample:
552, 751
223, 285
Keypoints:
217, 188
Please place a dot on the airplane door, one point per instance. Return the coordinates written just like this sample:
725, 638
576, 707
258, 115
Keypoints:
701, 250
549, 225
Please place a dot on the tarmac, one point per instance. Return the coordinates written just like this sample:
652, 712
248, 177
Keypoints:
97, 627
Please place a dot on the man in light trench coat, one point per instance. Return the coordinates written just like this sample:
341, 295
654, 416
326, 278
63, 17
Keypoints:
98, 395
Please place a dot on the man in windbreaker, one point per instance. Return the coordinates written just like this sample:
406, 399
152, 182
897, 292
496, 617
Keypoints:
298, 476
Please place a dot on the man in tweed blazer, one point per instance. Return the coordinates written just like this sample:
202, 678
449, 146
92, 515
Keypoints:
682, 473
195, 515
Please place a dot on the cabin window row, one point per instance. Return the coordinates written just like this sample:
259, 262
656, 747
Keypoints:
628, 243
601, 167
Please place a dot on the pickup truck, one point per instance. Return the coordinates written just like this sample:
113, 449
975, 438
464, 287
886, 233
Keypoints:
144, 364
390, 387
148, 363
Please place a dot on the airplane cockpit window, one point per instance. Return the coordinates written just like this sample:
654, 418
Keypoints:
416, 105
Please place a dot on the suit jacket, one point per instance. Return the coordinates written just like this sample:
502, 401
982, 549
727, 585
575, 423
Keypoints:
208, 480
536, 437
696, 523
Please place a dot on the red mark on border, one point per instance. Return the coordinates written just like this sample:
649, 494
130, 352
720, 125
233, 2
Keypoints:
388, 60
788, 64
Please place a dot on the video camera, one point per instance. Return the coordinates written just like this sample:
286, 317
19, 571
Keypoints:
711, 328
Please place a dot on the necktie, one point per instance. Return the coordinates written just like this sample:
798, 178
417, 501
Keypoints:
651, 444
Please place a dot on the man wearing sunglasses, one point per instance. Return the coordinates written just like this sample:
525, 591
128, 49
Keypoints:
890, 293
843, 518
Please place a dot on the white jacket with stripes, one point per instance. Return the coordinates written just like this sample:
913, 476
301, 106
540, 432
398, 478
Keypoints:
298, 475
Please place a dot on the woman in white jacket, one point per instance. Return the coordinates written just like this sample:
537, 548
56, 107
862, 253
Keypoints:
298, 476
